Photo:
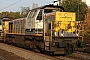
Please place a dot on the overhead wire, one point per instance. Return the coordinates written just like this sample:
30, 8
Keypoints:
11, 5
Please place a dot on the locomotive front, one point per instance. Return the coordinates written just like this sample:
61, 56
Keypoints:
63, 24
61, 31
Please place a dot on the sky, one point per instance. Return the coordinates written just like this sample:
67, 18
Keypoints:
15, 5
88, 2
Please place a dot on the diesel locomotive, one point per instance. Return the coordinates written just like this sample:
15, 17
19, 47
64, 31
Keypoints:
46, 29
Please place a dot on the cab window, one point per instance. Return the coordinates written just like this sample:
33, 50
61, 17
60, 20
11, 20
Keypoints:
33, 13
39, 17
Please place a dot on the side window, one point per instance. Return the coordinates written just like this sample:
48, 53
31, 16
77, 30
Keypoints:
39, 17
33, 13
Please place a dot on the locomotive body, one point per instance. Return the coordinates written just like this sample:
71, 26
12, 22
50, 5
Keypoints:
46, 29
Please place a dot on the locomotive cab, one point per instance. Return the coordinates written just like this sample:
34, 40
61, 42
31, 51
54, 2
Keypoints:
35, 19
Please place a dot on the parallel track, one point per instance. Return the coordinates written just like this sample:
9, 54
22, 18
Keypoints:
75, 56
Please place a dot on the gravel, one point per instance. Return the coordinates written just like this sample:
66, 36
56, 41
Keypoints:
4, 55
26, 54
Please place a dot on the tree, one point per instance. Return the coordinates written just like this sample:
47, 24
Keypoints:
76, 6
87, 23
24, 11
14, 15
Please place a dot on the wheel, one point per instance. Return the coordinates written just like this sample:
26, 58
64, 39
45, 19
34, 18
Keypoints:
51, 53
69, 49
72, 48
31, 45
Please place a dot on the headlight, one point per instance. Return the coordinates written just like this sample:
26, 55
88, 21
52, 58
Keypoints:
62, 34
77, 33
55, 34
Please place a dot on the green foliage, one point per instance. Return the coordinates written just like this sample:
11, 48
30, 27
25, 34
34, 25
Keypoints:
76, 6
14, 15
24, 11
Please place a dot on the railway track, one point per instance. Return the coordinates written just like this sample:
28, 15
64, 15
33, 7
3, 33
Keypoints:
75, 56
80, 55
30, 55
